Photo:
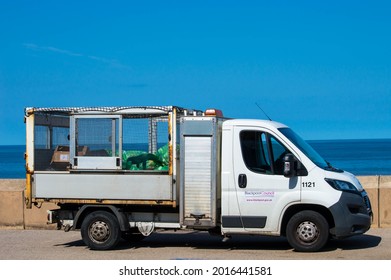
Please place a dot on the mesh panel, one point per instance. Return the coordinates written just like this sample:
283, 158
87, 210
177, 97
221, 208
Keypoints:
52, 135
145, 138
96, 135
145, 144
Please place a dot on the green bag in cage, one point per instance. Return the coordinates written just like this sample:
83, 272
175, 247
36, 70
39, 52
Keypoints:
140, 160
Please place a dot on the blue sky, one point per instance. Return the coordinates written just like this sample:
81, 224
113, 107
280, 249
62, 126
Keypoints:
321, 67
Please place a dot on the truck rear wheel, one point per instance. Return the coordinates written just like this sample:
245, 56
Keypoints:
100, 230
307, 231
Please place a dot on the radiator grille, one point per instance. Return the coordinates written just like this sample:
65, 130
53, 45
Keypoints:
367, 202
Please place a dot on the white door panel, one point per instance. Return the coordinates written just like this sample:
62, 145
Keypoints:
262, 191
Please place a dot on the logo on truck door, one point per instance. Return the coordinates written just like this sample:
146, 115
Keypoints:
261, 196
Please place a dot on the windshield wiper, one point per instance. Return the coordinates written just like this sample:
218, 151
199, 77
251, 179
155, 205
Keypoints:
332, 168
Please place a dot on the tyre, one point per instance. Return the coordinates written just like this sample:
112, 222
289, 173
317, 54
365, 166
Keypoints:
307, 231
100, 230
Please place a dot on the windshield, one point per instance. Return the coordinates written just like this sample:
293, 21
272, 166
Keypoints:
305, 147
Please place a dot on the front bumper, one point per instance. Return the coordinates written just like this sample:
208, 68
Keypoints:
352, 215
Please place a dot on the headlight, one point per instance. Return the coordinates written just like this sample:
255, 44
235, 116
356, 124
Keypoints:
342, 186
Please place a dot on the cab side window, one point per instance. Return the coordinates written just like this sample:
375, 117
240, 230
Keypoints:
262, 153
255, 151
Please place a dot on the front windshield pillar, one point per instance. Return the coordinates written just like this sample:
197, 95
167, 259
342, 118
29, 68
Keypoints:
304, 147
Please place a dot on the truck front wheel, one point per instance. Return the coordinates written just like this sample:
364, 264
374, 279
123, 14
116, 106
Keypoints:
307, 231
100, 230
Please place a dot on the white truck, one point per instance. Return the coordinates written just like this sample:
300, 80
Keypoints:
124, 172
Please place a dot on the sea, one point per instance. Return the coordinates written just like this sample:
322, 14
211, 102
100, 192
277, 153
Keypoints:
360, 157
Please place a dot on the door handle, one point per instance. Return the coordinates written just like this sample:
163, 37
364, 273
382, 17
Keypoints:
242, 181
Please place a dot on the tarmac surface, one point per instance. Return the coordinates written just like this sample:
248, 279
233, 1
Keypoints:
60, 245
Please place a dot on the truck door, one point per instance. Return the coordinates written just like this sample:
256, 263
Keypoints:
262, 191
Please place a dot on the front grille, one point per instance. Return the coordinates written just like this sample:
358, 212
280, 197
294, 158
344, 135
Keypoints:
367, 201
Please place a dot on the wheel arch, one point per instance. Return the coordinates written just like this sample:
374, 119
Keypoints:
296, 208
87, 209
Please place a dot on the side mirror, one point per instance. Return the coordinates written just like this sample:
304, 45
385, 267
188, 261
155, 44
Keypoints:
293, 167
289, 166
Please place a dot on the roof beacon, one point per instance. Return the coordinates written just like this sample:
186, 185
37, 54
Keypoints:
214, 112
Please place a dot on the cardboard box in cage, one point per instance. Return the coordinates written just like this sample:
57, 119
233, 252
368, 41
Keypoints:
61, 153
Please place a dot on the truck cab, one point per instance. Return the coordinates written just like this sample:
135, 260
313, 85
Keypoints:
274, 183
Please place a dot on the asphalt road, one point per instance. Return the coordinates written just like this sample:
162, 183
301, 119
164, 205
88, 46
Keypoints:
60, 245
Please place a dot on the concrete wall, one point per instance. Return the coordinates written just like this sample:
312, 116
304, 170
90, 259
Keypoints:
11, 204
13, 213
385, 201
